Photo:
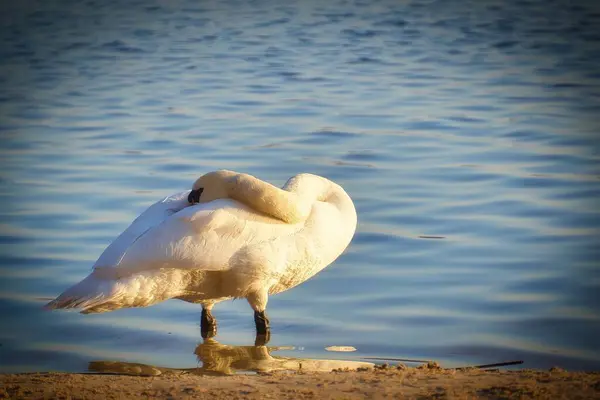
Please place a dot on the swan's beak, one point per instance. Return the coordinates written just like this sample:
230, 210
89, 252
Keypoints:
194, 196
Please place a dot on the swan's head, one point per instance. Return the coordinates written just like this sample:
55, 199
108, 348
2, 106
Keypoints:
211, 186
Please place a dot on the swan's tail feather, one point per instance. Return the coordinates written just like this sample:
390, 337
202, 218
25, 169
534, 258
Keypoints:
87, 294
103, 291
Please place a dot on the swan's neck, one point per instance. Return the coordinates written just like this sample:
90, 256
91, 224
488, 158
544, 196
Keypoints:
293, 203
268, 199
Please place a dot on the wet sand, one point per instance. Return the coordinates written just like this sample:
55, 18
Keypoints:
390, 382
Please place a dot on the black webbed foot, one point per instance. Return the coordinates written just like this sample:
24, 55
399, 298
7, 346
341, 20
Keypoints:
262, 340
208, 324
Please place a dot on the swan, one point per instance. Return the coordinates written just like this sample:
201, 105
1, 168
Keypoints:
231, 236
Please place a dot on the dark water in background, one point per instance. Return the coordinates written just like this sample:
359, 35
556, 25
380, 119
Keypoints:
473, 121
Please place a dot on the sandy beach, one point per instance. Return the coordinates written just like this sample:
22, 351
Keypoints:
388, 382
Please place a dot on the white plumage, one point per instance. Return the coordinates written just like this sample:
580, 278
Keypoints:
245, 238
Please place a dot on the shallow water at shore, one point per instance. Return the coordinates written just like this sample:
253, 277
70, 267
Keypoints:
467, 138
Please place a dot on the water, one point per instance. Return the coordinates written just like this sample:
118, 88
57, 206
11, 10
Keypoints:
473, 121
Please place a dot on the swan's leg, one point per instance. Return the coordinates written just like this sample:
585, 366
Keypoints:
208, 323
258, 302
263, 331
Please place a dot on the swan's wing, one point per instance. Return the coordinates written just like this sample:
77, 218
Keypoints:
156, 214
203, 236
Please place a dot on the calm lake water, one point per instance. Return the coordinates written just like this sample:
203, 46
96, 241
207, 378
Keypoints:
474, 122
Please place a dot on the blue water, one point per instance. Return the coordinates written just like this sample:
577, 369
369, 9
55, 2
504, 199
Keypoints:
475, 122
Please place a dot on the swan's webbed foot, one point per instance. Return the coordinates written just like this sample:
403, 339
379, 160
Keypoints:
208, 324
263, 331
262, 340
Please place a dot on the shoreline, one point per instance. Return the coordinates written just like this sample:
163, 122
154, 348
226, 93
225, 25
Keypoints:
425, 381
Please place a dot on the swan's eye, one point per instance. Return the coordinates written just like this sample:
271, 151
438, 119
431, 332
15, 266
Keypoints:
194, 196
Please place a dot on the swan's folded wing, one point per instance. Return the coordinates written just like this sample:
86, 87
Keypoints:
153, 216
203, 236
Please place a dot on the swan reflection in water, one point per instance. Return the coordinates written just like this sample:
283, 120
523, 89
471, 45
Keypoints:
221, 359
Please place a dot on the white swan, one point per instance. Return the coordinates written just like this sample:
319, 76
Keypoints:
231, 236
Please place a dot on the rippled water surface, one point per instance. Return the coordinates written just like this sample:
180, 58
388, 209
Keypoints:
466, 133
